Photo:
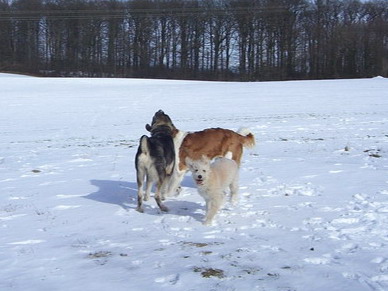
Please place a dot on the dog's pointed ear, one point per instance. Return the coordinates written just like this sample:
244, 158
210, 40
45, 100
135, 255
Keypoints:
204, 159
148, 127
174, 132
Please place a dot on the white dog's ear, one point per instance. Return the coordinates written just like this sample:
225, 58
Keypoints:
204, 159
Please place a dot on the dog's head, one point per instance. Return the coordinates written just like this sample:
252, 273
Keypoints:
160, 119
200, 169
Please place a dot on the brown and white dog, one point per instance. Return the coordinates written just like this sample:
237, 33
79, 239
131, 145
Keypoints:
210, 143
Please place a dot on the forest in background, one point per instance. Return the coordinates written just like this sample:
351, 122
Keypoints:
196, 39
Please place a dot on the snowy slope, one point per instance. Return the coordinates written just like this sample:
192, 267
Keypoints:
313, 210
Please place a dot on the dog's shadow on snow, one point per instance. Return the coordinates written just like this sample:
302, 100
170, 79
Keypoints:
124, 194
114, 192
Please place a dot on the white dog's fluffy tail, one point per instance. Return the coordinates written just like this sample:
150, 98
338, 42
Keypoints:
244, 131
249, 138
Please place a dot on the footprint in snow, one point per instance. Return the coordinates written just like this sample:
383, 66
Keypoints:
384, 192
324, 260
349, 248
66, 207
168, 280
11, 217
28, 242
295, 190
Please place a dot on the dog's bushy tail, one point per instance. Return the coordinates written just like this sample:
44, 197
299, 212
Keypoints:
144, 145
248, 139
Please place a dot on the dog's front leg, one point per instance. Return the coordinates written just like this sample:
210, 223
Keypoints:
212, 207
173, 188
234, 191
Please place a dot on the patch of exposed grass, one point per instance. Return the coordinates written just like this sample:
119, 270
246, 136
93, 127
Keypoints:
100, 254
200, 245
210, 272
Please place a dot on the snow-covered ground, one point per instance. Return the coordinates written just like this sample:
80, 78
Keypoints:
313, 210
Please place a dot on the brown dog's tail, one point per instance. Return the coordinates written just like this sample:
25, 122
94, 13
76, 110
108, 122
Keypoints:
247, 139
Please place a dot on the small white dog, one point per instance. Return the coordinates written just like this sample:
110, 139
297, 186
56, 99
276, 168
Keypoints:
212, 180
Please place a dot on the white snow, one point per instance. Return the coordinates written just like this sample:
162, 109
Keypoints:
313, 209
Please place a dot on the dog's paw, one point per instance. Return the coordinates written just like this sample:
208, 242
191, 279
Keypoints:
234, 201
140, 209
163, 208
207, 222
178, 191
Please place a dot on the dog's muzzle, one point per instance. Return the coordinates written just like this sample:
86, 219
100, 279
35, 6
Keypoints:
199, 180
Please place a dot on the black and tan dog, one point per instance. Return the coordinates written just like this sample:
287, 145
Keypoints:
155, 159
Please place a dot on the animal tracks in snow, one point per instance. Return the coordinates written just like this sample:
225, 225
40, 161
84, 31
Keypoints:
294, 190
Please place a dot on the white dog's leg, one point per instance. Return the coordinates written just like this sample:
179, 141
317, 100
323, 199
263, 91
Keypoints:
212, 207
173, 188
229, 155
234, 191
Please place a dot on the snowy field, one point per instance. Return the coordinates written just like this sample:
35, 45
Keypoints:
313, 209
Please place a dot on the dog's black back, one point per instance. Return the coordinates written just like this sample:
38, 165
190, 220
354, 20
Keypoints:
160, 148
155, 161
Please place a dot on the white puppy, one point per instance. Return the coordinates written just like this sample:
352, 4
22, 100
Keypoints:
212, 180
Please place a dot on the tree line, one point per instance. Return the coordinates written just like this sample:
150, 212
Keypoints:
196, 39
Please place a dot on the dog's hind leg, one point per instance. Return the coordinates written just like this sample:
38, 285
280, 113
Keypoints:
164, 189
237, 154
158, 198
167, 181
160, 186
162, 179
140, 179
148, 188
